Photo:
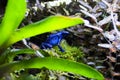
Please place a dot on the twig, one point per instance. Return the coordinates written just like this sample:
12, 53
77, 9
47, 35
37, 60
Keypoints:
39, 54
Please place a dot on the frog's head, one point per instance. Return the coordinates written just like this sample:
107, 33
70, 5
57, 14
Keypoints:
64, 33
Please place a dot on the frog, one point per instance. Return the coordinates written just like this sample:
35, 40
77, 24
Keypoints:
54, 39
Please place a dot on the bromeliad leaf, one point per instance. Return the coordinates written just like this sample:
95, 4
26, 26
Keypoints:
13, 16
49, 24
57, 64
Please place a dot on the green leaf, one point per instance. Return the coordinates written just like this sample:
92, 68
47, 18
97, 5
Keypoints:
49, 24
9, 55
53, 64
14, 14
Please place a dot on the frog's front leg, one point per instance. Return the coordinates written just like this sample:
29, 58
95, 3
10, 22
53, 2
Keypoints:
46, 45
61, 49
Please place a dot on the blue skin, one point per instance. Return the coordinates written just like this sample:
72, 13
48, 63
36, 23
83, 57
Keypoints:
54, 40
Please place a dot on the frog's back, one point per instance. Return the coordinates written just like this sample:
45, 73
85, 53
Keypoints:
54, 40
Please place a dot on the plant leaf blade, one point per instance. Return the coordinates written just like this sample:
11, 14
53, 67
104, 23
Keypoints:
48, 24
53, 64
14, 14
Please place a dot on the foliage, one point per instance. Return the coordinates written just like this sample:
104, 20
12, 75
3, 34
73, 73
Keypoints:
57, 64
10, 34
12, 18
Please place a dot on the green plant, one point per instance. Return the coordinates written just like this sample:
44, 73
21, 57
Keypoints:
10, 34
71, 52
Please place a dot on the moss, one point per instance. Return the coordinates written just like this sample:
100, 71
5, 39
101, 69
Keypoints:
71, 52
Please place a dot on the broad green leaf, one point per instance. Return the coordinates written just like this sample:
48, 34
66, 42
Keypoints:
53, 64
49, 24
14, 14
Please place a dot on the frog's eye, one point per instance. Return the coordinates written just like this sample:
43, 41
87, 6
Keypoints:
64, 32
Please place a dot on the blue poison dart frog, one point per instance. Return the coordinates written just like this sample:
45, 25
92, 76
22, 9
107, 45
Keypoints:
54, 40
